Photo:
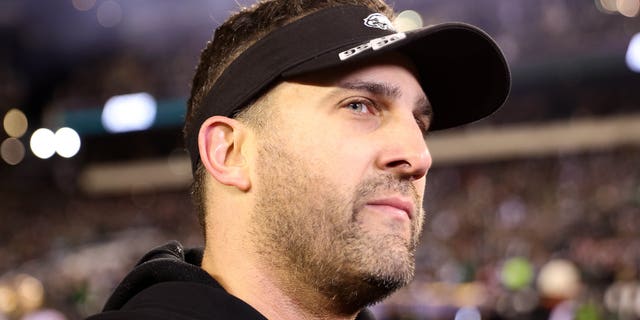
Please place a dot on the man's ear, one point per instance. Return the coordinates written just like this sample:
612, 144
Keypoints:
220, 142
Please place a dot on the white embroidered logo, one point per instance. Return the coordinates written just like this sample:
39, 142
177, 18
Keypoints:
374, 44
378, 20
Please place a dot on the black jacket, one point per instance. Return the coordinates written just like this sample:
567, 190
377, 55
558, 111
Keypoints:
168, 283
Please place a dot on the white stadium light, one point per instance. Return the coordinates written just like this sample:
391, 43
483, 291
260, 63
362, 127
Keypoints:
67, 142
633, 53
408, 20
42, 143
129, 112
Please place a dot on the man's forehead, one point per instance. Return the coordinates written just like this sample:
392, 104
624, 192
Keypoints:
392, 75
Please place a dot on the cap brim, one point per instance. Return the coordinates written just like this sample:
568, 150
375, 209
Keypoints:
461, 69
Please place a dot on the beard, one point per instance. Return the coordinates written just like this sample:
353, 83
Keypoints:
313, 237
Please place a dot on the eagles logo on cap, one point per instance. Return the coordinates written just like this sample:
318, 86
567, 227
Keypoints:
378, 20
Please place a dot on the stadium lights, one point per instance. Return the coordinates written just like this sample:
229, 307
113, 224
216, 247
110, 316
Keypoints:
15, 124
12, 151
633, 53
130, 112
408, 20
627, 8
65, 142
43, 143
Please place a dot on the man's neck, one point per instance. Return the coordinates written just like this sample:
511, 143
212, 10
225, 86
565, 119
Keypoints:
264, 290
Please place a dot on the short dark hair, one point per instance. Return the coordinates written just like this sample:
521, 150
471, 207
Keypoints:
233, 37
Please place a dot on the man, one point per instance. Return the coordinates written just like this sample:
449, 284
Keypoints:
306, 129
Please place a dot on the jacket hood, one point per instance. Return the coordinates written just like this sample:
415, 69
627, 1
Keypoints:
171, 273
170, 262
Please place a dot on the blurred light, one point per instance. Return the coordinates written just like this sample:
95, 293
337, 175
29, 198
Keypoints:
30, 292
83, 5
623, 298
588, 311
633, 53
130, 112
607, 6
67, 142
45, 315
517, 273
8, 300
471, 294
15, 123
43, 143
612, 297
564, 310
109, 14
627, 302
408, 20
12, 151
468, 313
559, 279
628, 8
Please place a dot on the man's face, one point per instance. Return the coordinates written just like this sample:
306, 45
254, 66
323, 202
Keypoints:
340, 176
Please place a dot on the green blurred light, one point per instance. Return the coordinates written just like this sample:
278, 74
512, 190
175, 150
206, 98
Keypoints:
517, 273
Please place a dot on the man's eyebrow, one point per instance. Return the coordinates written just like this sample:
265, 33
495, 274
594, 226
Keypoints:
376, 88
389, 91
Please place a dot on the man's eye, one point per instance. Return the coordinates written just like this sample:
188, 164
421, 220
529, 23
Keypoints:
361, 107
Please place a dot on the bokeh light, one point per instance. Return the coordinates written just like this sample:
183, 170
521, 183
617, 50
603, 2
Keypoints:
15, 123
109, 14
623, 297
517, 273
468, 313
45, 315
632, 56
408, 20
129, 112
30, 292
8, 300
83, 5
607, 6
67, 142
628, 8
43, 143
12, 151
559, 279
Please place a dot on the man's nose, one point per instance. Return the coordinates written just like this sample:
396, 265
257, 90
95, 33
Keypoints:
404, 151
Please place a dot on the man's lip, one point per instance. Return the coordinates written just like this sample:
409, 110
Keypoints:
395, 202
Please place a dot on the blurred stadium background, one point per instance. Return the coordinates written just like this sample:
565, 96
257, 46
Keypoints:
533, 213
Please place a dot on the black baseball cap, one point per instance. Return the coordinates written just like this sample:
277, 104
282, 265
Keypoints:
460, 68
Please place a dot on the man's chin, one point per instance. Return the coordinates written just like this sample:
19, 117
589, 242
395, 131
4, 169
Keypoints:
391, 265
371, 288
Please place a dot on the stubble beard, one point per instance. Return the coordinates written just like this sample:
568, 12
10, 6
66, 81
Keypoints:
312, 236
